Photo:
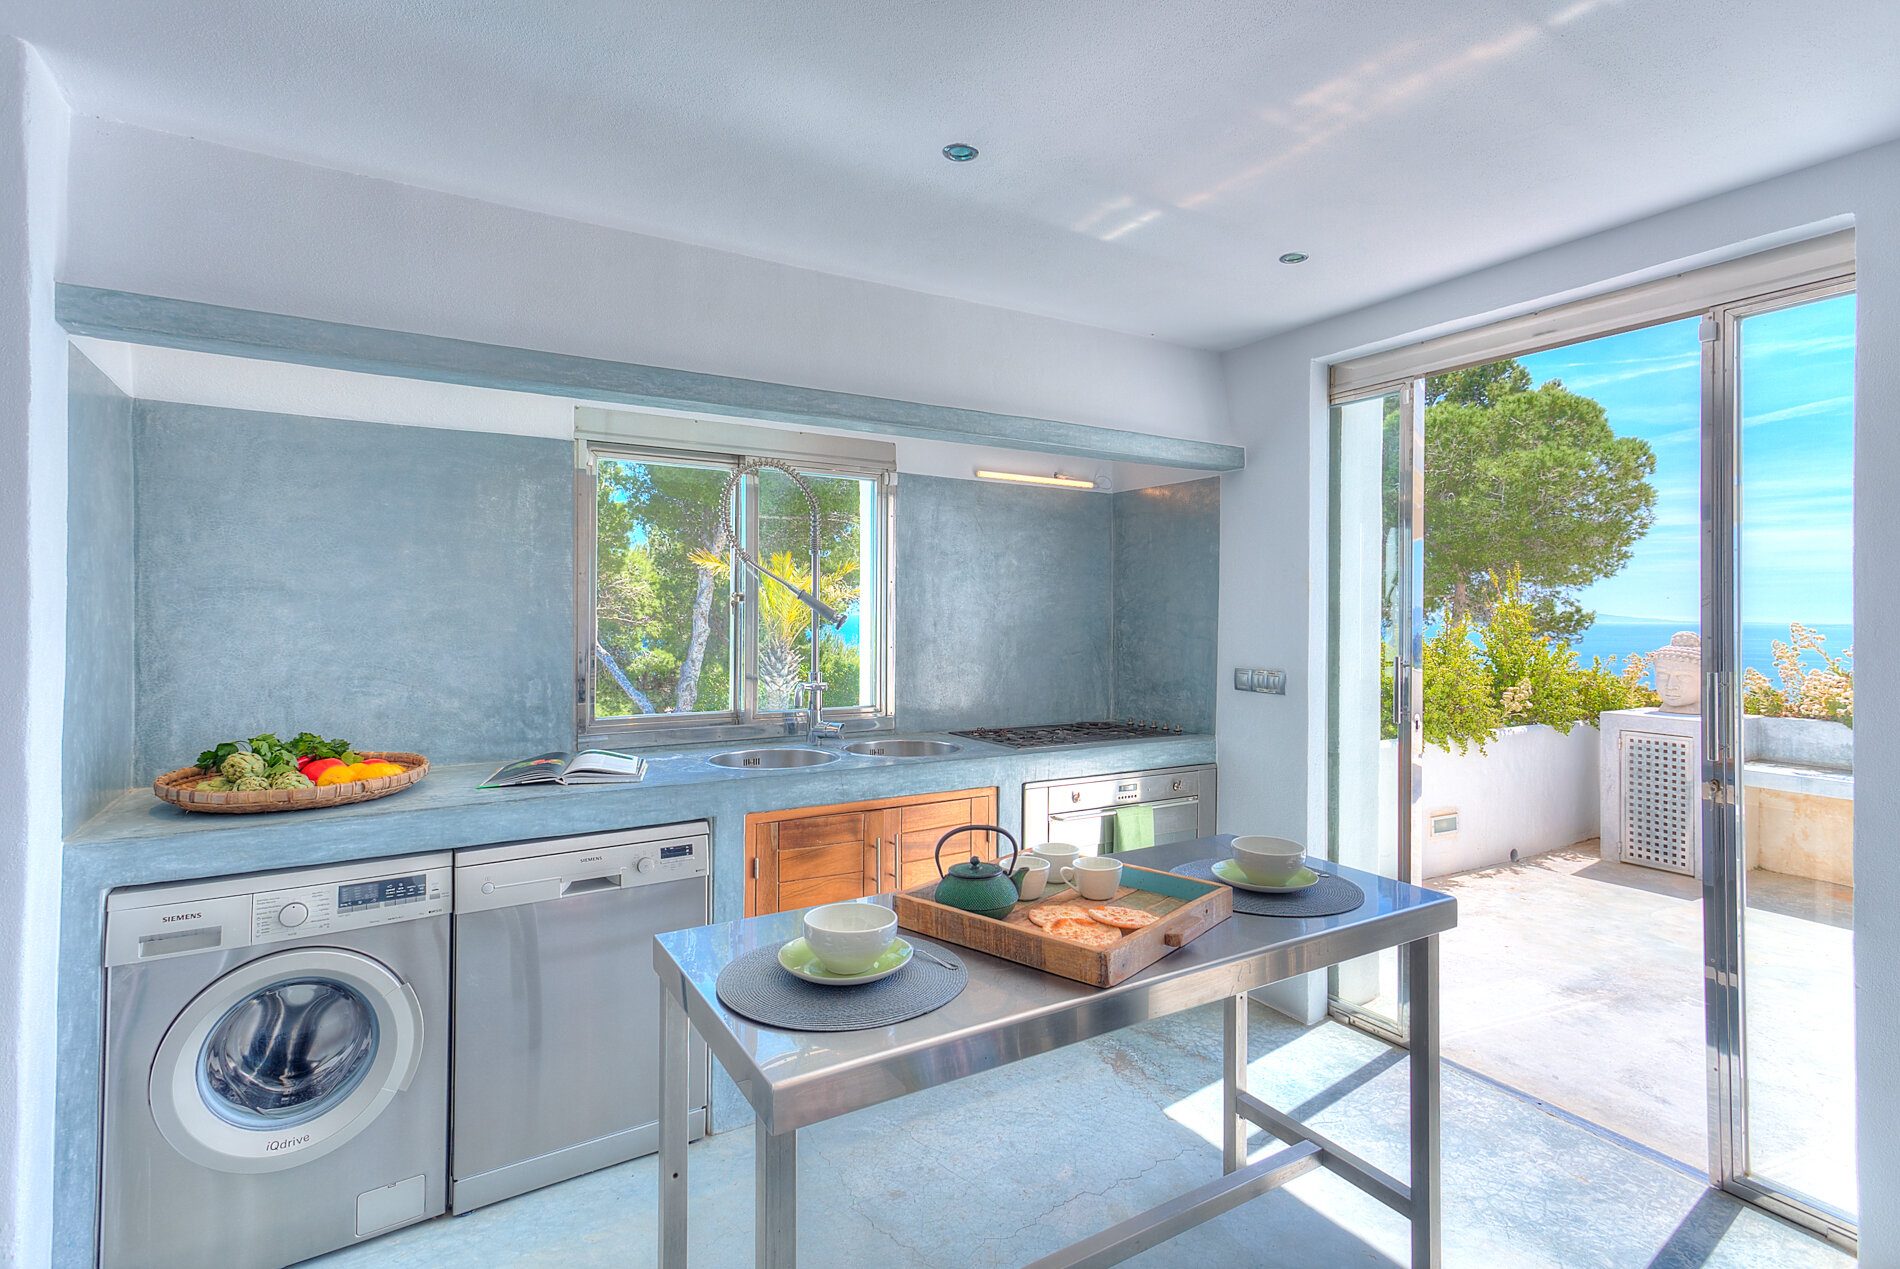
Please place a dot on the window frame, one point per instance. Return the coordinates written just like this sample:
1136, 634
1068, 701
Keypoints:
745, 720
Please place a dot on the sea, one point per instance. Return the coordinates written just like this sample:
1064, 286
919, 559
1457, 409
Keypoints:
1619, 637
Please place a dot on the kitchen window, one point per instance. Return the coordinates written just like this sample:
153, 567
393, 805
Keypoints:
679, 640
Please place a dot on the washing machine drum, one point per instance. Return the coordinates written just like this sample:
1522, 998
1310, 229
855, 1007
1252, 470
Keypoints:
284, 1059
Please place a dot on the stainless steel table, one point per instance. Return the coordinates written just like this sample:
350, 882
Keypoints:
1010, 1012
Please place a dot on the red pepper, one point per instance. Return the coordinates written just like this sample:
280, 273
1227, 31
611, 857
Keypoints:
314, 767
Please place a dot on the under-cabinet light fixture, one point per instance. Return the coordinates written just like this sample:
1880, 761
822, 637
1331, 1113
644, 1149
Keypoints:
1065, 482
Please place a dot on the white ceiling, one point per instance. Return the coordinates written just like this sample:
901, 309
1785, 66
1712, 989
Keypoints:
1143, 162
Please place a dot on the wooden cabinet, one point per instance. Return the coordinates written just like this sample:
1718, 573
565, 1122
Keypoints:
821, 854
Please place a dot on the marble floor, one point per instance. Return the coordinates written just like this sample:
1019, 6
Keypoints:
1004, 1167
1579, 980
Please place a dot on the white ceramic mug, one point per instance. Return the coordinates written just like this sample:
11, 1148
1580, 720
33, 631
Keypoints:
1094, 877
1034, 871
847, 938
1059, 854
1269, 861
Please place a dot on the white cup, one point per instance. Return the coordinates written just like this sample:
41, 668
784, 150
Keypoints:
1269, 861
1059, 854
847, 938
1035, 875
1094, 877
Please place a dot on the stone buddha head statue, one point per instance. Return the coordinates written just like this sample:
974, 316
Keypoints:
1678, 673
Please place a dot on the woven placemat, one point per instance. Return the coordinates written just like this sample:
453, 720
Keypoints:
1333, 895
757, 986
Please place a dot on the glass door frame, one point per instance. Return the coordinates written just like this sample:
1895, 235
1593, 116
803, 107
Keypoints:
1408, 621
1724, 859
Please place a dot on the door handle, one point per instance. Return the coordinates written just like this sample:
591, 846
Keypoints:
1102, 813
588, 885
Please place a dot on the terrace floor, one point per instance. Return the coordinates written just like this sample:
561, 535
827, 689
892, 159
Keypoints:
1578, 981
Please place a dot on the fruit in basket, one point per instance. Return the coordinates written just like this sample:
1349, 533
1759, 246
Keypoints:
288, 779
336, 775
315, 768
373, 770
250, 784
239, 765
216, 784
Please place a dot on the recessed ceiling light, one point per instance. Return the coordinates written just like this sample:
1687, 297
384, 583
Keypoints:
959, 153
1293, 257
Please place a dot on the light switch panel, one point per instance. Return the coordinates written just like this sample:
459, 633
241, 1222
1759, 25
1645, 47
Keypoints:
1269, 681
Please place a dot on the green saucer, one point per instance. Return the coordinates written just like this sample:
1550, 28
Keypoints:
797, 959
1230, 872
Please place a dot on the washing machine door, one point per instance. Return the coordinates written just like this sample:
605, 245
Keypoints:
284, 1059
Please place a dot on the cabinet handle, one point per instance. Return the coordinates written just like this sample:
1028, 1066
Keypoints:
880, 866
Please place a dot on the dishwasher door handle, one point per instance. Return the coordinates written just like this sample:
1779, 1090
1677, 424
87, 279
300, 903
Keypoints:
1102, 813
591, 885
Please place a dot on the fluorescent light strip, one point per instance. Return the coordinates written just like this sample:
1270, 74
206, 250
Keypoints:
1065, 482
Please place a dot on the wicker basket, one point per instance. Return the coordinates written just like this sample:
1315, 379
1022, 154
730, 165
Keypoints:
175, 787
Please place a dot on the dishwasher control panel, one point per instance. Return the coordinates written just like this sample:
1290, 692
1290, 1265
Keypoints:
575, 867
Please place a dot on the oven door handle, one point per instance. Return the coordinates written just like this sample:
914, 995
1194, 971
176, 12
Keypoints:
1103, 813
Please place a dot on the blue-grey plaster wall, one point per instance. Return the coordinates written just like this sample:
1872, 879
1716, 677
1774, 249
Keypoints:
1167, 603
1004, 602
402, 587
96, 745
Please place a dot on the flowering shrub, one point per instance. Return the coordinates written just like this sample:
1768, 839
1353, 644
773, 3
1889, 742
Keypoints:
1511, 674
1826, 693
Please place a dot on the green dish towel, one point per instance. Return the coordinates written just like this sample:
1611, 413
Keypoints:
1134, 827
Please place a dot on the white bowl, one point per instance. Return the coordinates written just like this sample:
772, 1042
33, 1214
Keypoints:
847, 938
1269, 861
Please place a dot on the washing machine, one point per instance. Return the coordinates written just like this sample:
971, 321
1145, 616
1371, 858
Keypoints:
276, 1064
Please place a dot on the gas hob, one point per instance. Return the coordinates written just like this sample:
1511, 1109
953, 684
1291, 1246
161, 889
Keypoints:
1049, 735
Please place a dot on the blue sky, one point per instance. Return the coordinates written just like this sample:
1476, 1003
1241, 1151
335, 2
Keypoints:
1797, 455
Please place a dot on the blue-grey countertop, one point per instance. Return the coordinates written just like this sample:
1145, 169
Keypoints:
139, 840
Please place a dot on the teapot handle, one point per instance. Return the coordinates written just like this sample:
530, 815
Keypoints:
1014, 849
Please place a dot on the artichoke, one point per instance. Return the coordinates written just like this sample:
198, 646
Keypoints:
288, 779
216, 784
239, 765
251, 784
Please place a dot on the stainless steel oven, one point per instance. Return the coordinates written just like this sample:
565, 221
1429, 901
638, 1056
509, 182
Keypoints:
1086, 812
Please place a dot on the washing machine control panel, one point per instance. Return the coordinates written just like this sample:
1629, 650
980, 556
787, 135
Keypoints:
348, 905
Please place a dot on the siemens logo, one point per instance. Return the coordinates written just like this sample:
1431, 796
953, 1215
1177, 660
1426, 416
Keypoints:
183, 916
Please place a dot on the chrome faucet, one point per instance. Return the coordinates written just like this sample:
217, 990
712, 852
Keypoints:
816, 728
813, 690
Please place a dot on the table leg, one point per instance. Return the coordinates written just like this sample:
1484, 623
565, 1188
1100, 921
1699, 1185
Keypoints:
1233, 1082
675, 1086
1422, 971
775, 1198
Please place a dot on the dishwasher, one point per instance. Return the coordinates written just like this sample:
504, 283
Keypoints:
556, 1046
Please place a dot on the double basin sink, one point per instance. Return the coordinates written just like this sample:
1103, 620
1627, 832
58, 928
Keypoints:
777, 758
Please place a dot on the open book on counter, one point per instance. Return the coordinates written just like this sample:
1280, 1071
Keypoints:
589, 766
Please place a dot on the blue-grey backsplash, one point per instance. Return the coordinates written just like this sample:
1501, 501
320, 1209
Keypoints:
1004, 597
412, 588
403, 587
96, 740
1167, 603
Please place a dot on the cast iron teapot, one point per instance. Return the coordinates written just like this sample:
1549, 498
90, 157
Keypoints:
977, 886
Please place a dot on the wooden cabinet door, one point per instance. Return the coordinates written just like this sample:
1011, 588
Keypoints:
922, 824
816, 859
823, 854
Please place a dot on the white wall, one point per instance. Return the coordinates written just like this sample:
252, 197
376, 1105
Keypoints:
172, 216
1273, 564
33, 124
1533, 789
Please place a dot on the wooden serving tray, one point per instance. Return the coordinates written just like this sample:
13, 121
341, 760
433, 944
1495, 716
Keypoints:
1191, 909
175, 787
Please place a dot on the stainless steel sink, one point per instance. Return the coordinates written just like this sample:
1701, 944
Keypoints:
904, 748
772, 759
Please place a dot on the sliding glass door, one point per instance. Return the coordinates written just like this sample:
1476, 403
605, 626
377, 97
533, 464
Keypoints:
1779, 755
1375, 601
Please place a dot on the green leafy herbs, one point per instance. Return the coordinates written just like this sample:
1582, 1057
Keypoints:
279, 755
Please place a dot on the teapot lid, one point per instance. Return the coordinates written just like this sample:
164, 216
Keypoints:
976, 870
